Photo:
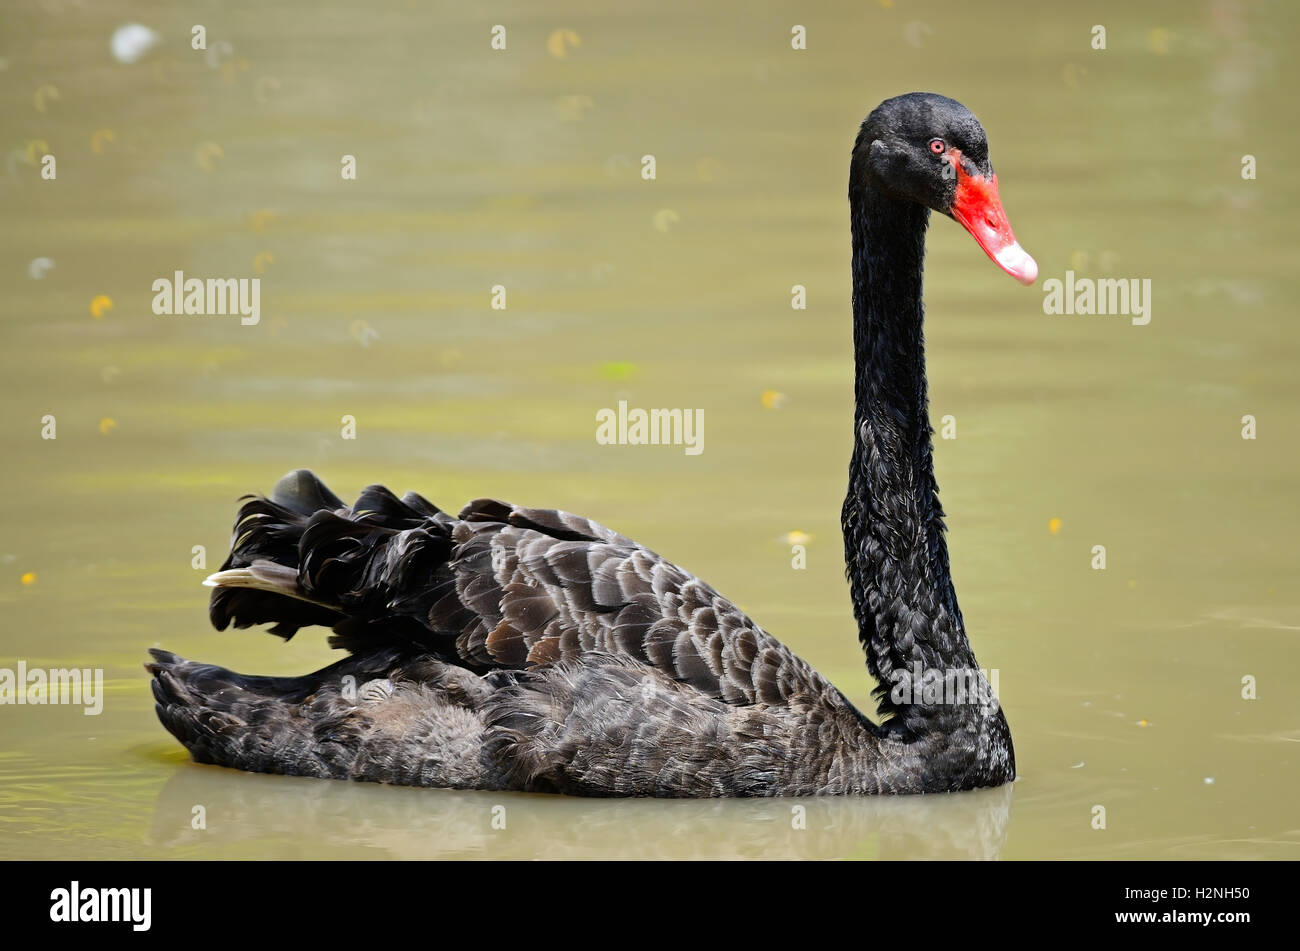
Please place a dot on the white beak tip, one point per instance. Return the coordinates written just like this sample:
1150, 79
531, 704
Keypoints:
1016, 261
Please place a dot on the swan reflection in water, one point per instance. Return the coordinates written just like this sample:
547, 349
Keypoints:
248, 815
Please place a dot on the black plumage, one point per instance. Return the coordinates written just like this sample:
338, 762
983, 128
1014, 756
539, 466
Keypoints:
531, 649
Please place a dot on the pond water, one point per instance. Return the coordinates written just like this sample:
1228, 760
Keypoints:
1127, 688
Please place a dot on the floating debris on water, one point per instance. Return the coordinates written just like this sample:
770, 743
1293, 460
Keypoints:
132, 41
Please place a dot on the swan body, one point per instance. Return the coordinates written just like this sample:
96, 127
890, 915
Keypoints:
512, 648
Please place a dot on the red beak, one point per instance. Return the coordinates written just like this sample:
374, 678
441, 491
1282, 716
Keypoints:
979, 210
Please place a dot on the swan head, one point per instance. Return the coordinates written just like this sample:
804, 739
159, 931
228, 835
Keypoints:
931, 150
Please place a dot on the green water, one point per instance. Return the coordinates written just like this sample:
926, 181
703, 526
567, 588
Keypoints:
522, 168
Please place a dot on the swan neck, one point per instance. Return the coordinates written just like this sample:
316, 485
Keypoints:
897, 559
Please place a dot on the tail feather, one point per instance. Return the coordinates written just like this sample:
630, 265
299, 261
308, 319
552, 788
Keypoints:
267, 533
384, 717
253, 589
304, 494
379, 504
226, 719
302, 557
260, 575
365, 567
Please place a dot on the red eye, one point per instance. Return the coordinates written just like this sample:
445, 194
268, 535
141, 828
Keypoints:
937, 146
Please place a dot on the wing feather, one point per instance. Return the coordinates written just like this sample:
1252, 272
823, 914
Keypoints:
503, 587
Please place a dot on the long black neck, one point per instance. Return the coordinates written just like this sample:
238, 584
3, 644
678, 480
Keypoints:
897, 560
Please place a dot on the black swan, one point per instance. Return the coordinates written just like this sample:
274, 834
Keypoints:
511, 648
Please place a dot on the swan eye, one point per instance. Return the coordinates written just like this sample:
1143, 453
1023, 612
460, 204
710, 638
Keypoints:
937, 146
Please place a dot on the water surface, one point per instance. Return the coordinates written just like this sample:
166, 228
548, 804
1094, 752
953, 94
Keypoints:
522, 168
